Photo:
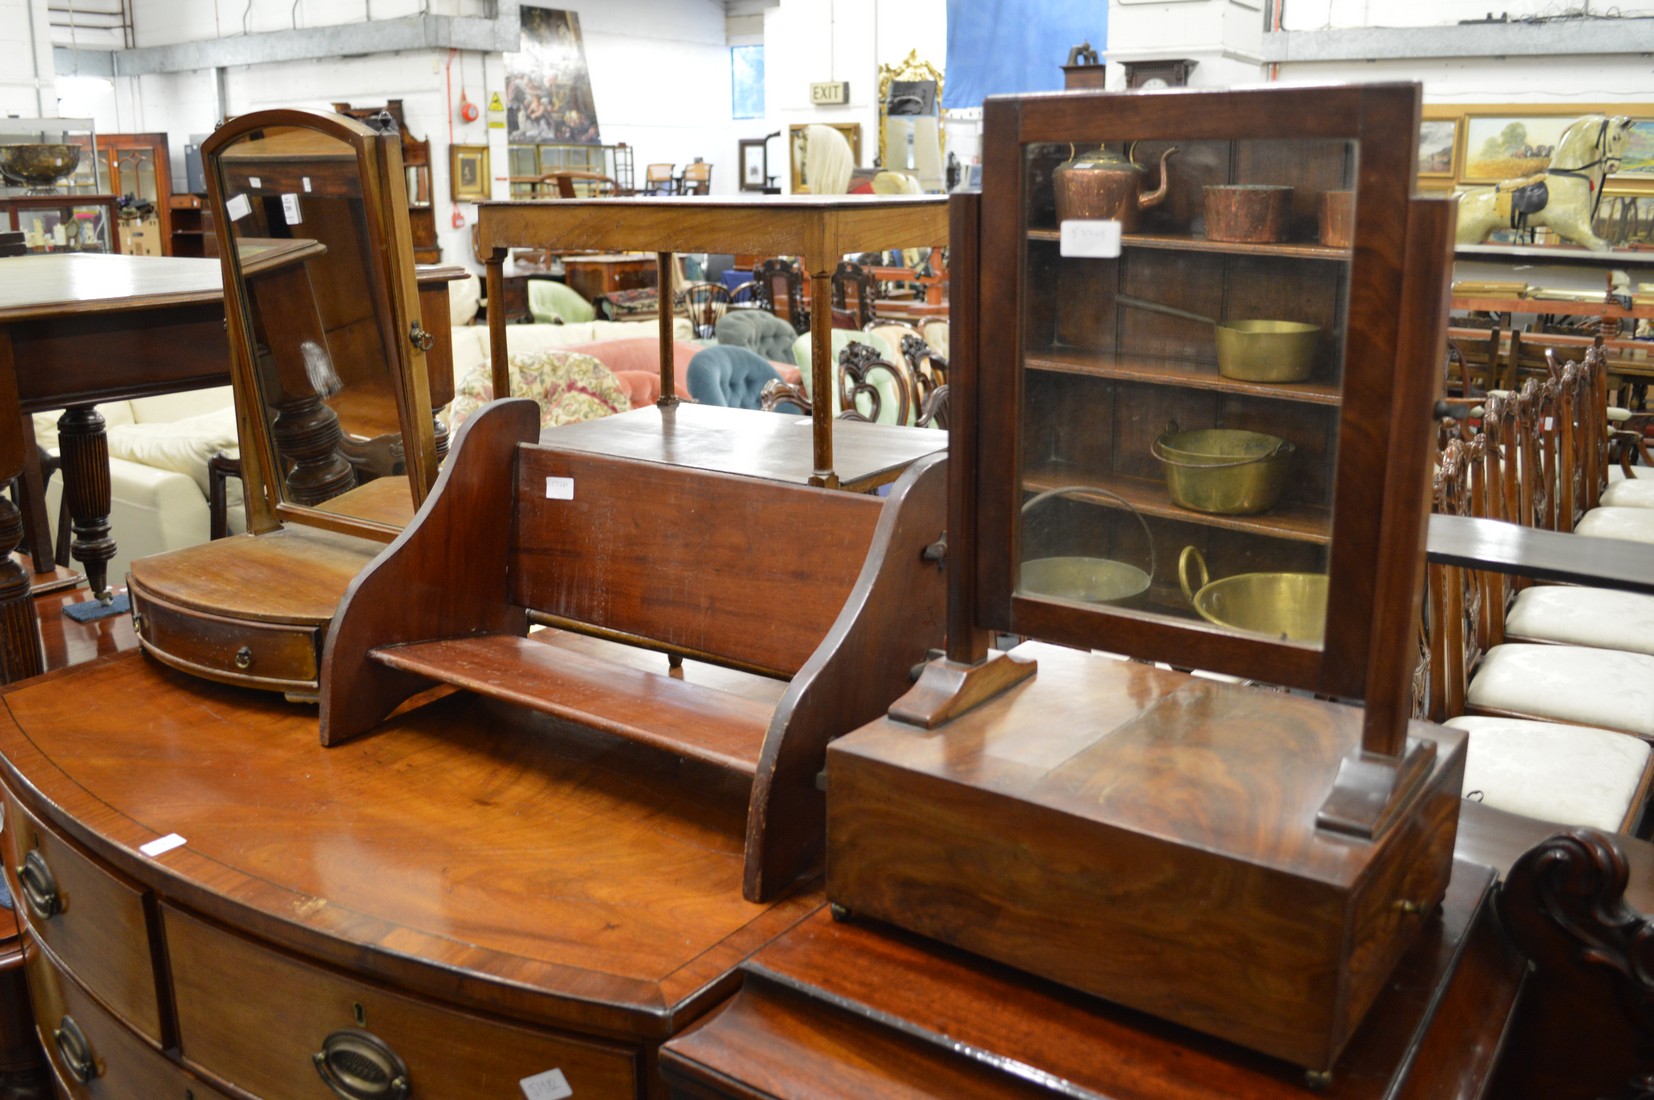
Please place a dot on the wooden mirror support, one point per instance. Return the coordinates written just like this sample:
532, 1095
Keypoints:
334, 370
1272, 832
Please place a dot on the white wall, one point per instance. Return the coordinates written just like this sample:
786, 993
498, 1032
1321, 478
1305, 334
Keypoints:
26, 77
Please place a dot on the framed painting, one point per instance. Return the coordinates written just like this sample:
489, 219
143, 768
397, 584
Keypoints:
1502, 147
1438, 142
755, 164
797, 144
468, 172
1637, 168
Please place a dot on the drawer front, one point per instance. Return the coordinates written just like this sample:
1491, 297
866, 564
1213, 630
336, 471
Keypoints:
93, 920
91, 1054
274, 656
266, 1043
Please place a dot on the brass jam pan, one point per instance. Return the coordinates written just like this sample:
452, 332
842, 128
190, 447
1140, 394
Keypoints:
1223, 471
1085, 579
1289, 607
1251, 350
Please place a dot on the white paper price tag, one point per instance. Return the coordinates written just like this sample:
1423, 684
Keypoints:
550, 1085
1096, 239
559, 488
290, 209
238, 207
255, 183
163, 844
306, 181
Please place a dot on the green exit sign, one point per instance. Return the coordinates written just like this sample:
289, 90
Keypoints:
834, 91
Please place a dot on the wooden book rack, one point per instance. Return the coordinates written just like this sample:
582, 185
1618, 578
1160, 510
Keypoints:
831, 591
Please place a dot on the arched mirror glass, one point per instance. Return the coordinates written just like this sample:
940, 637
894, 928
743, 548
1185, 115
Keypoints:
322, 310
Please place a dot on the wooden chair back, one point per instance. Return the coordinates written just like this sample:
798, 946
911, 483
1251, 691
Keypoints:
1473, 356
858, 365
780, 289
854, 291
703, 304
732, 570
658, 179
697, 178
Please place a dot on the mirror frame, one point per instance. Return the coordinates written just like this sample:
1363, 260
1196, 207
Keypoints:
910, 68
385, 202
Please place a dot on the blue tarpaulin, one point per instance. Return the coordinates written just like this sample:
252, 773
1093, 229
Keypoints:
1004, 46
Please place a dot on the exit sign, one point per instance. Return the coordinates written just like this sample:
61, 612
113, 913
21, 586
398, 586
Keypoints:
834, 91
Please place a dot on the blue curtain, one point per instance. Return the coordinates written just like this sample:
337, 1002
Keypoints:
1005, 46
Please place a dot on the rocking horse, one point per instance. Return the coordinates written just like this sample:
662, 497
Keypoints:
1564, 197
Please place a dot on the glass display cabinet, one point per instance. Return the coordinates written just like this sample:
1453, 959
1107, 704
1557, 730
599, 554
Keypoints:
1197, 346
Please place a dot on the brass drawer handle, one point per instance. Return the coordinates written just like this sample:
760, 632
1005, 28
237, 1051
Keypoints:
75, 1050
358, 1065
244, 658
39, 887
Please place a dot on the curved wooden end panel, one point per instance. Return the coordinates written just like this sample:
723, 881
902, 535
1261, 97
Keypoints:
443, 576
895, 616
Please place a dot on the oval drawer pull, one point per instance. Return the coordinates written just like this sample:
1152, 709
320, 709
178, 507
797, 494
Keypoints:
39, 887
358, 1065
75, 1050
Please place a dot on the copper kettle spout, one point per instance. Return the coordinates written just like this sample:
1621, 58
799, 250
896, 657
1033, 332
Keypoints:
1154, 198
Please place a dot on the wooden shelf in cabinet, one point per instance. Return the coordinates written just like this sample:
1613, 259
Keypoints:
1186, 373
1172, 242
1297, 522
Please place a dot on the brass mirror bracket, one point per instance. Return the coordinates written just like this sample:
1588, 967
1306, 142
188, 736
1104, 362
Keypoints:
1373, 792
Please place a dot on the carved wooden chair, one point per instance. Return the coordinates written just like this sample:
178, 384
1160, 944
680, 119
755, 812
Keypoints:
854, 293
1473, 356
779, 288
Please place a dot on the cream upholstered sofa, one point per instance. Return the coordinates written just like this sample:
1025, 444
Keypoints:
158, 453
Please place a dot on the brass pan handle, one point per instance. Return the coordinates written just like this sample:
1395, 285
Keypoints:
39, 886
1183, 572
358, 1065
75, 1050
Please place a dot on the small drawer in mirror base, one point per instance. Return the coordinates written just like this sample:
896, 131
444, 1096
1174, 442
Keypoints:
271, 656
116, 1063
268, 1044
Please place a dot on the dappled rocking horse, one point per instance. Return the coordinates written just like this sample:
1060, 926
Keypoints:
1564, 197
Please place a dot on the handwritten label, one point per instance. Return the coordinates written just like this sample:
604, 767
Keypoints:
550, 1085
164, 844
290, 209
559, 488
306, 181
239, 207
1096, 239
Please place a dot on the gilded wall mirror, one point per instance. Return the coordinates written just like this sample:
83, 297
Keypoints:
323, 316
910, 121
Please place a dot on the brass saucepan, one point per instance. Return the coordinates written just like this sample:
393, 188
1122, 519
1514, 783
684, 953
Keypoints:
1251, 351
1223, 471
1290, 607
1088, 580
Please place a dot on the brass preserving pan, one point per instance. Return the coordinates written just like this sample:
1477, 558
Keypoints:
1223, 471
1289, 607
1087, 580
1252, 350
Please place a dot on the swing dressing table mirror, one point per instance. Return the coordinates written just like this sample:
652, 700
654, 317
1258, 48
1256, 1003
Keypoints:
333, 398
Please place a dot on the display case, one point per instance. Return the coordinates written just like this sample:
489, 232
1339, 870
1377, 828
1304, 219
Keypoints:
131, 166
61, 223
1132, 474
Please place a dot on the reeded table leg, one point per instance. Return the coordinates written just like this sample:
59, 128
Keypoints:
20, 653
85, 454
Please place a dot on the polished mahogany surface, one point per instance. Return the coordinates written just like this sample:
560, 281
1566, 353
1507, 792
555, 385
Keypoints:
482, 856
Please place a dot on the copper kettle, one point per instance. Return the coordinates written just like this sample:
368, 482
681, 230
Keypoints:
1103, 185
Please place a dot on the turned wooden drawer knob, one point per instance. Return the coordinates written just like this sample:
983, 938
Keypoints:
39, 887
75, 1050
358, 1065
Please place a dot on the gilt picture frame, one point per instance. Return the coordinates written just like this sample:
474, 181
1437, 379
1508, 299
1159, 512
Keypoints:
469, 174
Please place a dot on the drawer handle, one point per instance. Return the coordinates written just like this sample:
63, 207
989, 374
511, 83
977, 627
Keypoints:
76, 1051
358, 1065
244, 658
39, 887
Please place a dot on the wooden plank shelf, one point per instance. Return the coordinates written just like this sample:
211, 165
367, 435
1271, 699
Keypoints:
650, 708
1183, 373
1171, 242
1297, 522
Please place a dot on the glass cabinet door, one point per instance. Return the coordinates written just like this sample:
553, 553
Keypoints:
1205, 291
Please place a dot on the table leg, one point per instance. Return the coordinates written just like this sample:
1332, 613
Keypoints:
37, 526
85, 455
20, 652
